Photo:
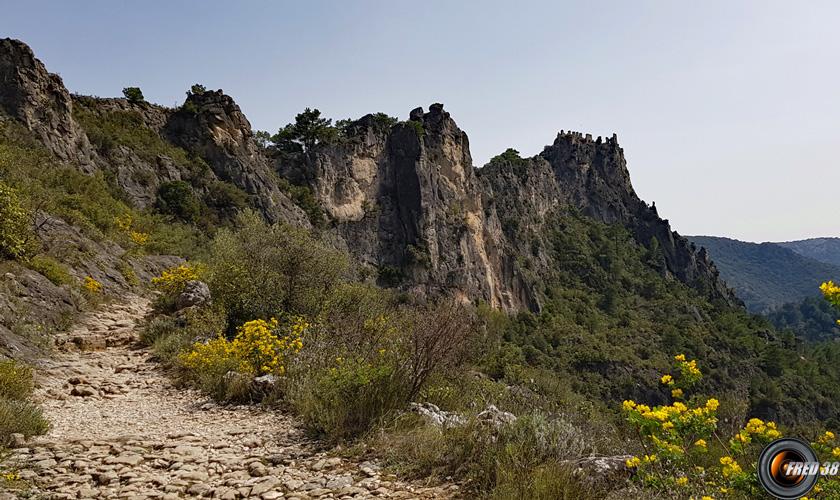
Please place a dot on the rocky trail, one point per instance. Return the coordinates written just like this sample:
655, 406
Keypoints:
120, 429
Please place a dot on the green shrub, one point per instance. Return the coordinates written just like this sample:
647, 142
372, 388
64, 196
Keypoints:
21, 417
17, 414
418, 128
15, 229
370, 356
259, 270
197, 89
169, 336
158, 328
133, 94
128, 273
509, 157
530, 458
347, 399
224, 200
16, 380
305, 199
52, 269
177, 199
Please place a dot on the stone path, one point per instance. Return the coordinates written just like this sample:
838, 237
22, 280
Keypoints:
120, 429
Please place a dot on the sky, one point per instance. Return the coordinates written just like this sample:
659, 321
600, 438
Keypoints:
728, 111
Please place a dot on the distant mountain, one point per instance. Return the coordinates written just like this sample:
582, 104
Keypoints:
821, 249
766, 275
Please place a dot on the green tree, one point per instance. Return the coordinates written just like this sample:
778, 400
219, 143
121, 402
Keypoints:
197, 89
262, 138
308, 130
133, 94
510, 156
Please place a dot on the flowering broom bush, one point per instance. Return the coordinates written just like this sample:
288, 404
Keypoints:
260, 347
831, 292
677, 439
172, 281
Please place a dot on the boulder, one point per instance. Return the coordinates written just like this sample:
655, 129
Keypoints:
435, 416
496, 417
196, 293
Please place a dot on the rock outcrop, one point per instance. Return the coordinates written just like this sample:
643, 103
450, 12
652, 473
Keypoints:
211, 125
29, 93
408, 201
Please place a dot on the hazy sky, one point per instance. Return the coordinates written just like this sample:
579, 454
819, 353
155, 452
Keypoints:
728, 111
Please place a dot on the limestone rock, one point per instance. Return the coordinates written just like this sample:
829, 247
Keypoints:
496, 417
436, 416
41, 102
196, 293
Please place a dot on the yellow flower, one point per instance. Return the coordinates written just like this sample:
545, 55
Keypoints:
633, 462
707, 497
91, 285
139, 238
712, 404
730, 467
700, 443
682, 481
124, 222
835, 452
667, 379
668, 425
679, 357
676, 393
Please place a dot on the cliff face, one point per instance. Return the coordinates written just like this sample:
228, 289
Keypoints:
404, 198
29, 93
408, 201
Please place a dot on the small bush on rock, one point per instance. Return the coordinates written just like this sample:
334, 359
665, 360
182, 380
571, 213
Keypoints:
177, 199
133, 94
15, 230
17, 413
52, 269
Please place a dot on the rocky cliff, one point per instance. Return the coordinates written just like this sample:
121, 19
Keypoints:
142, 145
404, 198
409, 201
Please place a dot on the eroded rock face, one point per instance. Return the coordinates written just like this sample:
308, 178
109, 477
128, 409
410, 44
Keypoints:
29, 93
408, 201
212, 125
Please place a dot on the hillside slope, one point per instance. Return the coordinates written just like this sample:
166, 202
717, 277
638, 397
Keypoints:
766, 275
601, 292
822, 249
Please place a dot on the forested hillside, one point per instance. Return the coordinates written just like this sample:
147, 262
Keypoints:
766, 275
